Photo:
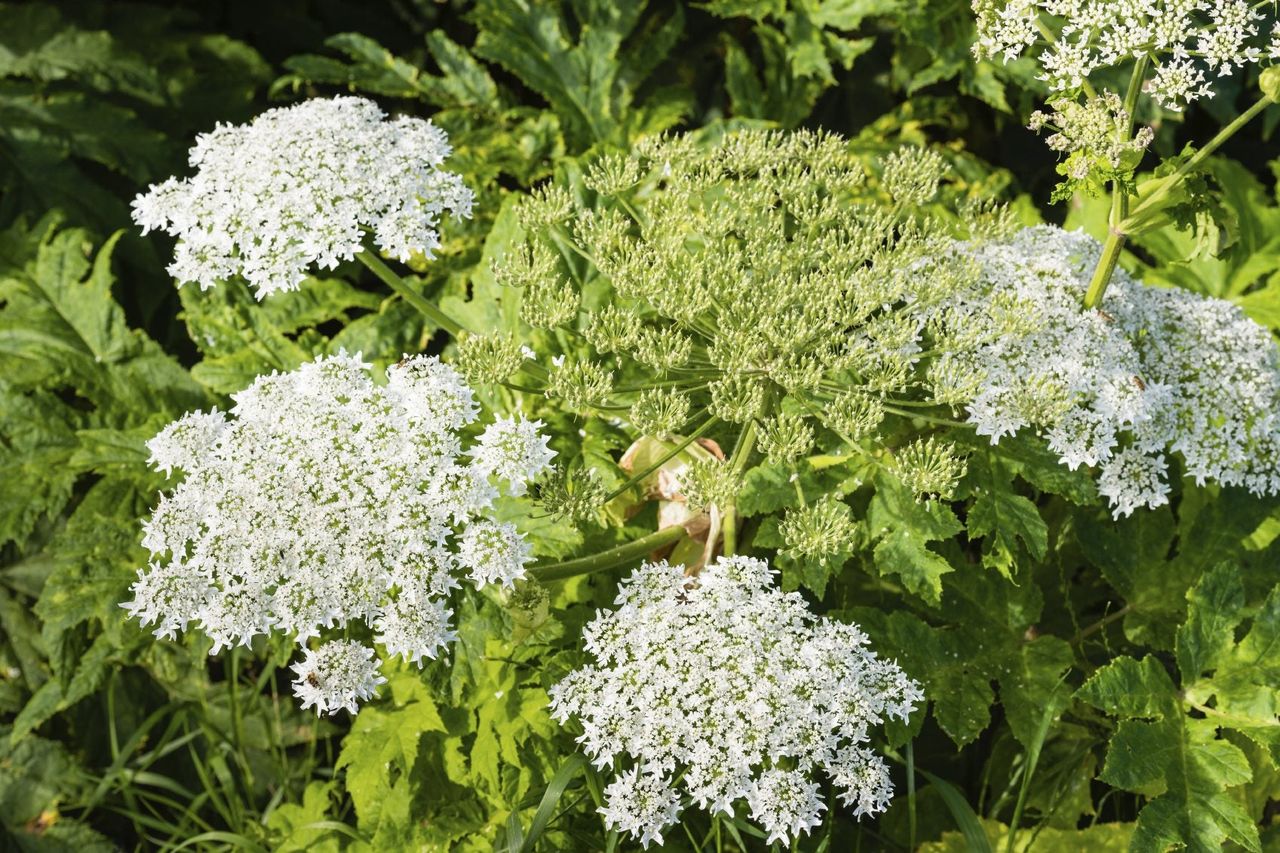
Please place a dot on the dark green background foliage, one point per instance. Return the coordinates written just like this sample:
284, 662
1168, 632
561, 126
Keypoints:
1096, 683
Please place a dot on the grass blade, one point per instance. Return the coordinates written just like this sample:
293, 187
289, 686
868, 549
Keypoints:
966, 819
549, 800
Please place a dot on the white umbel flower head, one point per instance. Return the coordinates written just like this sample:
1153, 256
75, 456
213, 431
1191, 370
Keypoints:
728, 691
1190, 42
514, 450
642, 803
339, 674
298, 186
1155, 371
494, 553
324, 500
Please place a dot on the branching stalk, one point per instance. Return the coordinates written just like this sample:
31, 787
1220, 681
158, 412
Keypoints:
1133, 221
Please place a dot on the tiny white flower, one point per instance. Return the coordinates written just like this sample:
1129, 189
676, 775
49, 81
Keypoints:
494, 552
641, 803
324, 499
1156, 371
513, 449
1187, 41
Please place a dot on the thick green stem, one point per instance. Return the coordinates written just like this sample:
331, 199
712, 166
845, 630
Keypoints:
611, 559
1119, 199
1106, 267
412, 296
741, 453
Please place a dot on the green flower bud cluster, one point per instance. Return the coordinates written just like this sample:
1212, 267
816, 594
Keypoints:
488, 358
581, 384
820, 530
573, 494
762, 260
786, 437
710, 482
659, 411
929, 467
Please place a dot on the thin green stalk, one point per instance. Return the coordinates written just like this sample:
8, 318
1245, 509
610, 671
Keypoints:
1032, 759
1089, 630
1106, 267
425, 307
911, 793
1120, 231
412, 296
929, 419
1203, 154
663, 460
611, 559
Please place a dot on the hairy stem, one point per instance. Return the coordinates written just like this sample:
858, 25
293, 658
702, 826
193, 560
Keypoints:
611, 559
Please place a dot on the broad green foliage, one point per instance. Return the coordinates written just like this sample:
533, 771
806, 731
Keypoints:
1171, 742
1090, 683
84, 107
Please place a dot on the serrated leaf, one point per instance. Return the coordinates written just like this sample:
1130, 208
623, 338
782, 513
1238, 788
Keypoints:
904, 527
1002, 518
1178, 759
939, 659
1209, 632
905, 554
589, 83
1130, 688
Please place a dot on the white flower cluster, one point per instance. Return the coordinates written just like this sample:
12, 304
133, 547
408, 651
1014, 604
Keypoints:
1190, 40
298, 186
324, 500
722, 688
1157, 371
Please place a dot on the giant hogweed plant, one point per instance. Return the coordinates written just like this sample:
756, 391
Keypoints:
784, 335
802, 359
759, 290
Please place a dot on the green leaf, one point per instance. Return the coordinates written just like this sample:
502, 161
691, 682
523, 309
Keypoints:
380, 751
904, 527
590, 84
1180, 761
1100, 838
1003, 517
975, 838
1129, 688
905, 554
954, 680
1208, 635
